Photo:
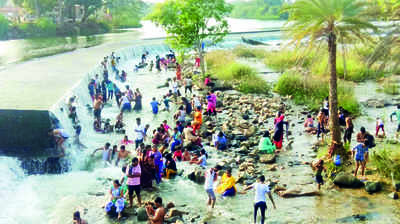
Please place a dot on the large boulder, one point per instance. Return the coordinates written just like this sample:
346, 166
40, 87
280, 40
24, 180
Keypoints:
197, 176
346, 180
373, 187
268, 158
142, 214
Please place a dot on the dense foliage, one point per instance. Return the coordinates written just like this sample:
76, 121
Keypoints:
189, 22
259, 9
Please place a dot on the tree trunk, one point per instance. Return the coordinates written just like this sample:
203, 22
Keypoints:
336, 143
60, 12
202, 62
37, 9
344, 61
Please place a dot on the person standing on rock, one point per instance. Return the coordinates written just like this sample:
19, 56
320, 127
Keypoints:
360, 154
211, 176
260, 201
188, 84
211, 103
278, 134
322, 121
134, 172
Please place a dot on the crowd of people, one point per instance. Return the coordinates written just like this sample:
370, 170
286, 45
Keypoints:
156, 150
155, 153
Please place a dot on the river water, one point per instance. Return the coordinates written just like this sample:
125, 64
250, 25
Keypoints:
53, 198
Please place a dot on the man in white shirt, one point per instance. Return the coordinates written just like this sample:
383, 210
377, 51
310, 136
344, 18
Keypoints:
260, 200
211, 176
140, 133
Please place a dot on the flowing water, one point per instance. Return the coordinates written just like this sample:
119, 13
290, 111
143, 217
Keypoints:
53, 198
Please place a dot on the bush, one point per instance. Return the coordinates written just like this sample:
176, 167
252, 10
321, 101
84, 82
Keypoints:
45, 26
312, 90
91, 27
254, 84
248, 52
125, 20
4, 25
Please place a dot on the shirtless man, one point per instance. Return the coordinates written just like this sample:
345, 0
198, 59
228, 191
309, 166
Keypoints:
97, 106
156, 216
122, 155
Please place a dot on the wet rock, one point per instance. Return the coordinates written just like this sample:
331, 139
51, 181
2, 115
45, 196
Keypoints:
97, 194
346, 180
197, 176
392, 141
268, 158
373, 187
299, 192
141, 214
394, 195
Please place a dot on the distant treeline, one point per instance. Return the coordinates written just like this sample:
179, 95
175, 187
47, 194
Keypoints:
259, 9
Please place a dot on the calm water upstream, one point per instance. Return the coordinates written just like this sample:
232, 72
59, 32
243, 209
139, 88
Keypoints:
53, 198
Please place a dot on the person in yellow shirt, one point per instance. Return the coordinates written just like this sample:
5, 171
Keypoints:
227, 185
198, 119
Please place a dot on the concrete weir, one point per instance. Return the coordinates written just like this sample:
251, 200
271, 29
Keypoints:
23, 134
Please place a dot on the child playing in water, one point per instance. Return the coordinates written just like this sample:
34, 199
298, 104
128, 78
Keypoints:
166, 103
318, 175
154, 105
379, 125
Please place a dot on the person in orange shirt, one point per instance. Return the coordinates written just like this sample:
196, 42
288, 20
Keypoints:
198, 119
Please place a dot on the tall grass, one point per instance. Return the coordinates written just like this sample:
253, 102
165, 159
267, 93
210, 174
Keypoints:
249, 52
390, 86
311, 90
386, 159
223, 66
316, 61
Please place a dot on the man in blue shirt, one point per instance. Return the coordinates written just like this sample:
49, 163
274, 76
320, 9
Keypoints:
397, 114
360, 154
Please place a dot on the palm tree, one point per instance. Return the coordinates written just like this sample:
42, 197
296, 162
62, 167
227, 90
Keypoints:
328, 20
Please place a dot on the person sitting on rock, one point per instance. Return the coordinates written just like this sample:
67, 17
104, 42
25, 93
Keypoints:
117, 199
226, 186
266, 145
309, 125
119, 123
156, 216
177, 139
220, 141
170, 166
189, 138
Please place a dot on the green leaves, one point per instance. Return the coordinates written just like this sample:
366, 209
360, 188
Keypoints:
189, 22
315, 18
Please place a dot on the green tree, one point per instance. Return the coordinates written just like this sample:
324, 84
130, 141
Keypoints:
328, 20
37, 7
126, 13
89, 7
189, 22
4, 25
